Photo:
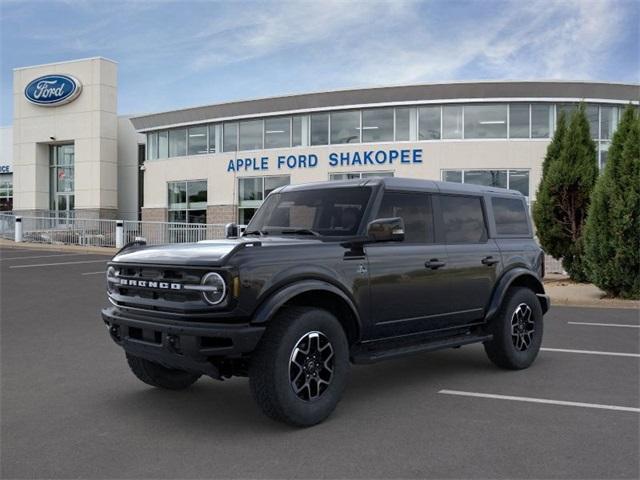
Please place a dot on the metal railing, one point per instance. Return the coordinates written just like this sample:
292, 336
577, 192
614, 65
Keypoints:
551, 265
7, 226
104, 233
69, 231
157, 233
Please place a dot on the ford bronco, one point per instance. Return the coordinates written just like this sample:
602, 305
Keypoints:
330, 274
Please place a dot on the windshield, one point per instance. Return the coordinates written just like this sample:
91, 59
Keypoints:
333, 212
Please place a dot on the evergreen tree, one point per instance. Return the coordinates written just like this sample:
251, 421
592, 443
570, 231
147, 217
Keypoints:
612, 233
555, 147
543, 208
561, 207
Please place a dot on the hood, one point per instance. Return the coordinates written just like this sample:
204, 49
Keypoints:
207, 252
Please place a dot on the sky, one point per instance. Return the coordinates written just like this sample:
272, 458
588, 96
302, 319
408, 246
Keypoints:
176, 54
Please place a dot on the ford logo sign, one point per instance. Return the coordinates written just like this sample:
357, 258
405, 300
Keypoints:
53, 90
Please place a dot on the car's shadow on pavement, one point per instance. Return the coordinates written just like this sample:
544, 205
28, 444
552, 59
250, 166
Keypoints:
228, 406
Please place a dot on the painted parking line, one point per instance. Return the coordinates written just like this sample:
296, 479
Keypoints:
60, 263
540, 400
94, 273
591, 352
41, 256
621, 325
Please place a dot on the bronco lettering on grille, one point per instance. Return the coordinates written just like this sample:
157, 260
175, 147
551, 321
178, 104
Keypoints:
150, 284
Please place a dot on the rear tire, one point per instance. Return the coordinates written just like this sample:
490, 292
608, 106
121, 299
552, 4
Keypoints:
300, 367
517, 330
160, 376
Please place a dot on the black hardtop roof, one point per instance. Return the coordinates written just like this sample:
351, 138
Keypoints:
401, 183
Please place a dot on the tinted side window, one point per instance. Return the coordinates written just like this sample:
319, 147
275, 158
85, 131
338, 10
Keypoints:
510, 215
414, 209
463, 219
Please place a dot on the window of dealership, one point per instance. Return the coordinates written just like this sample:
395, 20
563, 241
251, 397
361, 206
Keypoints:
188, 201
61, 179
253, 191
435, 122
486, 133
6, 192
428, 123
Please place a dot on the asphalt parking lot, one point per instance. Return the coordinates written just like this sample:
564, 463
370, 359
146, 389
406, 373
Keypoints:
71, 408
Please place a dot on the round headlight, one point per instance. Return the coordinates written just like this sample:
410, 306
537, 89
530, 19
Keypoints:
111, 274
215, 288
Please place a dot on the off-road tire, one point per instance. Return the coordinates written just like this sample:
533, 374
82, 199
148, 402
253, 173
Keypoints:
269, 371
159, 376
501, 350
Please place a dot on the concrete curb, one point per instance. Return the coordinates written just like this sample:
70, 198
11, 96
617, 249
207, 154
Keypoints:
563, 292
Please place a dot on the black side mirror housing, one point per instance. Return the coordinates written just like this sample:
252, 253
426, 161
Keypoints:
386, 230
230, 230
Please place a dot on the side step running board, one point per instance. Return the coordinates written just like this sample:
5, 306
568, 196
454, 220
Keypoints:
371, 354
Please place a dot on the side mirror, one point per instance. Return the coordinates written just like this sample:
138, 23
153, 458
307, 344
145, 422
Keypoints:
386, 230
230, 230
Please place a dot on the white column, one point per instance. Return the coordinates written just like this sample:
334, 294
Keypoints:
119, 234
18, 230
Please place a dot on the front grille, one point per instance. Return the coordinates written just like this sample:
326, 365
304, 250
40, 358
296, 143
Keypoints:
155, 294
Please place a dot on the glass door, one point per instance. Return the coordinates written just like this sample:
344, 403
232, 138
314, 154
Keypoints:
62, 176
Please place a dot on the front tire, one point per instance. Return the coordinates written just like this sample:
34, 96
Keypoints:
159, 376
517, 330
300, 367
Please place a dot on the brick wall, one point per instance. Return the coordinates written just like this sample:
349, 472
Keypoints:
154, 214
222, 213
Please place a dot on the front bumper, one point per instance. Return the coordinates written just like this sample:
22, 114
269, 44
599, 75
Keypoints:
178, 344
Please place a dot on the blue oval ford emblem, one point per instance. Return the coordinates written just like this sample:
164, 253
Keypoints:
52, 90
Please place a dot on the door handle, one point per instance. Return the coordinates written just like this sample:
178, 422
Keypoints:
489, 261
434, 264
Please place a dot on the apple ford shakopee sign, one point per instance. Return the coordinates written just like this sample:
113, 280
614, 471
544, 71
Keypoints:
53, 90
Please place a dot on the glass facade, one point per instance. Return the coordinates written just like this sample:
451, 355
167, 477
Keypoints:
6, 192
252, 191
296, 131
501, 178
429, 123
163, 144
377, 125
357, 175
277, 132
230, 137
251, 135
187, 201
319, 129
541, 120
197, 140
384, 124
485, 121
61, 179
178, 142
403, 124
519, 120
452, 121
345, 127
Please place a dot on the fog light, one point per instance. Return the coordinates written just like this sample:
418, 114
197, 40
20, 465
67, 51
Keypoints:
214, 289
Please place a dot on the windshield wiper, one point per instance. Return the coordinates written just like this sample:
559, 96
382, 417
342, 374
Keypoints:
301, 231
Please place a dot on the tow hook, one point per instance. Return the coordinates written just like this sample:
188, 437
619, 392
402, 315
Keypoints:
173, 342
114, 331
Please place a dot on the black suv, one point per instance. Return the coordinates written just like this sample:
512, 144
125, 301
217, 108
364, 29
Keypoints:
329, 274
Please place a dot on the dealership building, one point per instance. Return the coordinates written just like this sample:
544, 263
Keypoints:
69, 151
